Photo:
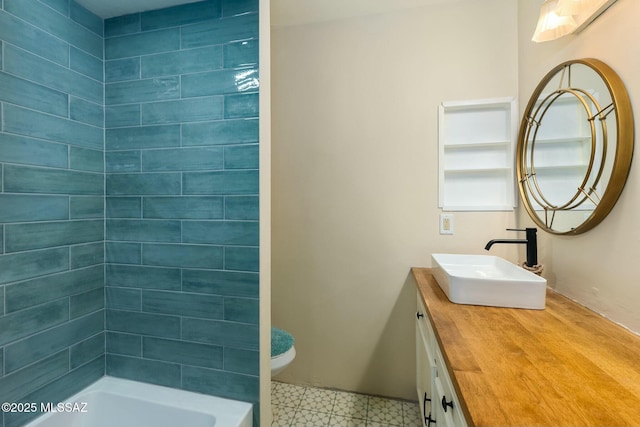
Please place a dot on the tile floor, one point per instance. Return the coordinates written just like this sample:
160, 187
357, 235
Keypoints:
299, 406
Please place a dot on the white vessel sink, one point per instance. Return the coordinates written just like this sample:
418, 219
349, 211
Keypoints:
488, 280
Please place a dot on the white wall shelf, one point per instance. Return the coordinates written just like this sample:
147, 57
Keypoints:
476, 155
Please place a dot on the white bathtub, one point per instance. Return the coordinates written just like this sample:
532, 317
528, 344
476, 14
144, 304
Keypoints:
111, 402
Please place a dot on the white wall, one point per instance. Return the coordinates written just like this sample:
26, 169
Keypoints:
599, 268
354, 190
265, 415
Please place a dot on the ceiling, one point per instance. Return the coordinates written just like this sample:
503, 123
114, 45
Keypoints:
283, 12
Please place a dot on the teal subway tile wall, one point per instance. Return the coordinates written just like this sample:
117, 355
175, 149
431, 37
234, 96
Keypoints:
182, 236
52, 306
129, 235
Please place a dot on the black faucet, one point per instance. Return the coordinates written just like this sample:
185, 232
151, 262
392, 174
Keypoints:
531, 241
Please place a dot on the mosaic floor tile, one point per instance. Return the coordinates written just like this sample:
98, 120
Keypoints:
299, 406
340, 421
287, 394
317, 399
411, 414
351, 405
306, 418
282, 415
385, 411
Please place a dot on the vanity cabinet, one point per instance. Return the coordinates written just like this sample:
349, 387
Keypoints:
495, 366
439, 405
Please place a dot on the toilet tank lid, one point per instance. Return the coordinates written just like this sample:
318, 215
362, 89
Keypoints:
281, 341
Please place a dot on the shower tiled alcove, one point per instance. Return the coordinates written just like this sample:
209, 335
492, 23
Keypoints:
129, 199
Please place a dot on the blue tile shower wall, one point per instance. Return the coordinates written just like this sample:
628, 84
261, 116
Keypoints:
181, 165
52, 338
169, 201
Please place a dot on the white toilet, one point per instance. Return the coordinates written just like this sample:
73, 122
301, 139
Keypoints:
282, 350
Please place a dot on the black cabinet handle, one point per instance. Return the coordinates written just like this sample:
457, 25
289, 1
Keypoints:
426, 399
427, 418
445, 404
424, 406
419, 315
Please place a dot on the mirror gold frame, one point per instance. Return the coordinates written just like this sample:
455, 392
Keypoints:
620, 146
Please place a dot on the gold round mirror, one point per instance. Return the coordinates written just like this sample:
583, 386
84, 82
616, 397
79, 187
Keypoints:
575, 146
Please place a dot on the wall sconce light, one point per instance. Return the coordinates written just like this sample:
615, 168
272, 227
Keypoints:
561, 17
552, 26
570, 7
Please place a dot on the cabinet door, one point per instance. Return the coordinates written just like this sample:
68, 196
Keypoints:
424, 378
445, 403
425, 364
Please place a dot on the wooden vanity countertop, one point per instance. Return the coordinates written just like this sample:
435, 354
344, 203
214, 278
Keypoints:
561, 366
